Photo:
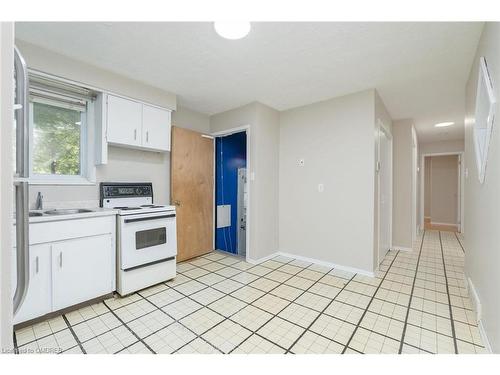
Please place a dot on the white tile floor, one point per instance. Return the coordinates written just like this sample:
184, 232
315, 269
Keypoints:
418, 303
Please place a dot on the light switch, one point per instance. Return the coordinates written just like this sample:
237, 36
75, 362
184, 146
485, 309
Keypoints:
321, 188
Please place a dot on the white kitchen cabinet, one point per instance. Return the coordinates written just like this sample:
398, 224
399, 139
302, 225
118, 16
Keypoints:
82, 270
156, 128
38, 300
130, 123
124, 121
71, 261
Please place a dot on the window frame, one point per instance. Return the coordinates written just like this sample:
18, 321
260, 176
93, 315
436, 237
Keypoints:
87, 163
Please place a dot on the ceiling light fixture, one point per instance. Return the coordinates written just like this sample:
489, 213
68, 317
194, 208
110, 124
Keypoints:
232, 30
444, 124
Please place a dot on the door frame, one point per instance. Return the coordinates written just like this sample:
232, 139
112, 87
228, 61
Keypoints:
381, 128
223, 133
461, 183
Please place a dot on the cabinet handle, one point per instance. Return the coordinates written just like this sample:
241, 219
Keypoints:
36, 264
60, 259
135, 134
147, 136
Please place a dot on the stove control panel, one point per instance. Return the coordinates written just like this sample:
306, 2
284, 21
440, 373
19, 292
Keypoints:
125, 190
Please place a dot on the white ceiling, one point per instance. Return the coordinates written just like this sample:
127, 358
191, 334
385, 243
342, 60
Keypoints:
419, 69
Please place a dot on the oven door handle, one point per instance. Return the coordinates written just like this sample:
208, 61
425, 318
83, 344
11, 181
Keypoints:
149, 218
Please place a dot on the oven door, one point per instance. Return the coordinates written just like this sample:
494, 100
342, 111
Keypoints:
146, 239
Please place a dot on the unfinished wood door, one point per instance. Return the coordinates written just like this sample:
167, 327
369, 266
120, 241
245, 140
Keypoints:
192, 191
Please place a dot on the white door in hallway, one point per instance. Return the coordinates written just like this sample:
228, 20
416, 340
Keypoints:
385, 192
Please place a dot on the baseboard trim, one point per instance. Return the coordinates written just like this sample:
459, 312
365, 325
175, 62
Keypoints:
484, 337
263, 259
402, 248
476, 303
438, 223
327, 264
477, 307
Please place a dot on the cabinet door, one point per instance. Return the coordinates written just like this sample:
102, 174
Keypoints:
38, 300
155, 128
124, 121
82, 270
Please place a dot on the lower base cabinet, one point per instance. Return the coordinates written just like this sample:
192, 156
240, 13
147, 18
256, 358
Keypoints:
79, 265
38, 300
81, 270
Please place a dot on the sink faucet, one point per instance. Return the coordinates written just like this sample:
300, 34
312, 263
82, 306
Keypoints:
39, 201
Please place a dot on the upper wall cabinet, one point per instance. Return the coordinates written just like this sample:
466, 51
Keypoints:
156, 124
124, 122
130, 123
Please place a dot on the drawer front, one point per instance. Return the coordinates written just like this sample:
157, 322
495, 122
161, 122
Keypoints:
66, 229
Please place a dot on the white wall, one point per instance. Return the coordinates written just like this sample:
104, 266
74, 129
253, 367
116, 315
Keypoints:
124, 165
6, 162
441, 147
336, 140
402, 231
482, 211
264, 165
189, 119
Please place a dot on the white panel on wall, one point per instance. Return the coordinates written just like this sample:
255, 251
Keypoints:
484, 117
224, 216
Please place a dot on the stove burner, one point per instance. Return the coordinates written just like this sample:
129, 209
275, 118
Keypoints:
151, 206
127, 208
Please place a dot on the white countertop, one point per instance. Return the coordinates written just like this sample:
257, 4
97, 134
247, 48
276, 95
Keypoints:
96, 212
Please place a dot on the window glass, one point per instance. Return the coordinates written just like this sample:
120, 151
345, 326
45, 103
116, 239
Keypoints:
57, 140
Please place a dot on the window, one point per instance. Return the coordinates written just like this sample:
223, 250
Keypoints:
57, 140
59, 114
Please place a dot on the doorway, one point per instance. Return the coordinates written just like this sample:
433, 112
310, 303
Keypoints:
384, 167
231, 193
442, 192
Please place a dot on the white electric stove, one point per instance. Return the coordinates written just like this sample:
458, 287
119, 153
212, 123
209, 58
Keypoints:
146, 235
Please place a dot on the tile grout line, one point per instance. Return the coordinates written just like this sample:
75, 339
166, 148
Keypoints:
290, 302
74, 334
178, 321
265, 293
184, 296
449, 299
206, 306
401, 343
369, 303
130, 330
190, 279
430, 266
321, 313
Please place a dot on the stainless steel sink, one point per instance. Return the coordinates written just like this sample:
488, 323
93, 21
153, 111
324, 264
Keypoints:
35, 214
68, 211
